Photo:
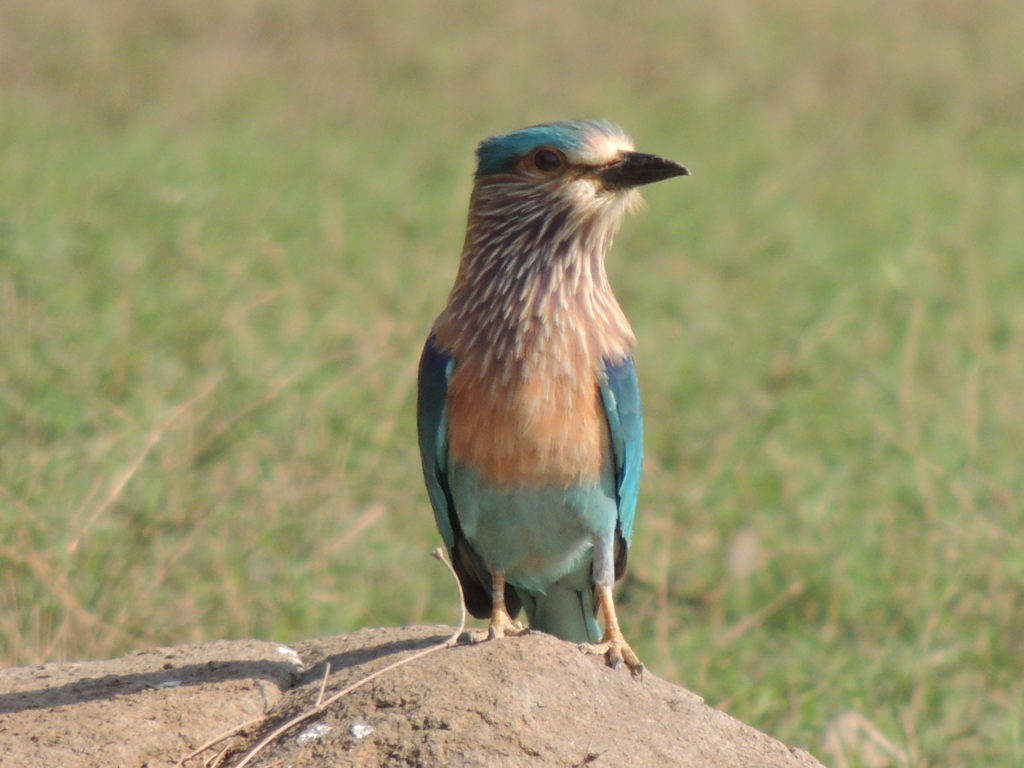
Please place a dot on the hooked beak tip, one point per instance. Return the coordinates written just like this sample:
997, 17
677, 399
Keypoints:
634, 169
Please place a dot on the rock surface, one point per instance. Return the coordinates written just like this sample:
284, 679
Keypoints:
527, 701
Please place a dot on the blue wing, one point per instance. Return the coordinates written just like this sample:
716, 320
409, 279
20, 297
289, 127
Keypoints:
432, 426
621, 396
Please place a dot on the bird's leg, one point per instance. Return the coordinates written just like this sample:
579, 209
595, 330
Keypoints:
501, 623
613, 645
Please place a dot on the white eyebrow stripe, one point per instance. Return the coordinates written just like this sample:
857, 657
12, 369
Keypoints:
601, 148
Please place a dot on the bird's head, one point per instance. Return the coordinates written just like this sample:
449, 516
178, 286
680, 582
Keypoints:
588, 167
546, 203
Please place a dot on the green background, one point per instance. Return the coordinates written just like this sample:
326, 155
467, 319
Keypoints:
225, 228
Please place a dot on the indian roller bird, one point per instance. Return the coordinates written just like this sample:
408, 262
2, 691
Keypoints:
528, 410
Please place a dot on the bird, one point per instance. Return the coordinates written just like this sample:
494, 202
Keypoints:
528, 411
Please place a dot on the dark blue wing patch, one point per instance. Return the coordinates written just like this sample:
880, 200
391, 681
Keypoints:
432, 427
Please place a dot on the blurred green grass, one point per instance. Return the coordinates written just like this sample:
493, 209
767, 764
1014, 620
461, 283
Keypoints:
225, 229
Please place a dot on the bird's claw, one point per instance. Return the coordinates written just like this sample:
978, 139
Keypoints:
616, 651
501, 625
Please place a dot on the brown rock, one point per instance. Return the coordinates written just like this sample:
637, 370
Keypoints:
526, 701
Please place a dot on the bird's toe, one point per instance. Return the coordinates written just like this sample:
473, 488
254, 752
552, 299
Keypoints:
501, 625
505, 626
616, 651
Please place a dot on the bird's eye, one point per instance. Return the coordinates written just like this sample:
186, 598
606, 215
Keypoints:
547, 160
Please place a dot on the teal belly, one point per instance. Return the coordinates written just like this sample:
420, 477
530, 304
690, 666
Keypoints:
537, 535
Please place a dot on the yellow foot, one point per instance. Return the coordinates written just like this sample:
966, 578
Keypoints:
616, 650
501, 623
501, 626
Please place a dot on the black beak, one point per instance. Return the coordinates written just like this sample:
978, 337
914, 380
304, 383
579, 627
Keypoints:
634, 169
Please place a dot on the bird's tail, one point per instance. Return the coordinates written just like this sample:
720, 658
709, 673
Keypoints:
563, 612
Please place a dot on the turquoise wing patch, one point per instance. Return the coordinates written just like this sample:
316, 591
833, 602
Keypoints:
621, 396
